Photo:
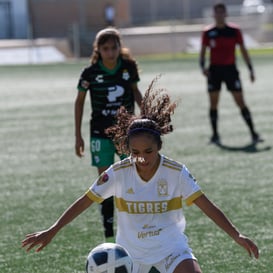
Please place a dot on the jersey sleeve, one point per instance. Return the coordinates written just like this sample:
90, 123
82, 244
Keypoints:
190, 190
204, 38
134, 72
103, 187
239, 37
84, 81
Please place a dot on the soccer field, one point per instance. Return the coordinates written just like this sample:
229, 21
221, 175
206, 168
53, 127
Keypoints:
40, 174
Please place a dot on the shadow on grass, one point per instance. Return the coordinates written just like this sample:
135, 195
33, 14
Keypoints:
250, 148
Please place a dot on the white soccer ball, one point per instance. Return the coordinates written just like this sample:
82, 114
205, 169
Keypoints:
109, 258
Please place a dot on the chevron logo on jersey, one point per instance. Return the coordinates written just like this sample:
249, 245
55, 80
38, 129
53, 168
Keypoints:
99, 78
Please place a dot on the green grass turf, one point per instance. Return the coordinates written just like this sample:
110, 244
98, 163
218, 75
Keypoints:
40, 175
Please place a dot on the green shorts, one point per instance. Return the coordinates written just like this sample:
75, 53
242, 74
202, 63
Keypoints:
103, 152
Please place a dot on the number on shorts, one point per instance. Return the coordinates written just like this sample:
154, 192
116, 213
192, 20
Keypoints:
95, 145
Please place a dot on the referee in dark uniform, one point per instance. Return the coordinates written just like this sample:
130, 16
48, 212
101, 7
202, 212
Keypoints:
221, 39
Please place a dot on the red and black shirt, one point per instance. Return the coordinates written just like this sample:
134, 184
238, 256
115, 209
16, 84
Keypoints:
222, 43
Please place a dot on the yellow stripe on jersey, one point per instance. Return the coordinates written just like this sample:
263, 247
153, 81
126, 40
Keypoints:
92, 196
145, 207
189, 200
123, 164
172, 164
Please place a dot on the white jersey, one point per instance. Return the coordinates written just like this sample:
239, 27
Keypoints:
149, 214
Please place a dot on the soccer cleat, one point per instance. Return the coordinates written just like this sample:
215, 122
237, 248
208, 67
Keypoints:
256, 138
215, 139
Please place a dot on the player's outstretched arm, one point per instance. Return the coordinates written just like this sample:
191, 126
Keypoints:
43, 238
224, 223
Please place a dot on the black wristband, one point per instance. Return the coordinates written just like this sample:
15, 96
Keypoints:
202, 64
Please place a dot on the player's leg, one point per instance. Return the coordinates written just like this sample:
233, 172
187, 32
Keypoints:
214, 87
239, 100
213, 115
234, 85
180, 260
189, 266
103, 151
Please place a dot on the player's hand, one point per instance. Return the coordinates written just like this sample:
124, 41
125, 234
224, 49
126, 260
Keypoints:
79, 147
38, 239
249, 245
252, 76
205, 72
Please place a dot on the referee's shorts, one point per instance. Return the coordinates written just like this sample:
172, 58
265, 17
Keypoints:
228, 74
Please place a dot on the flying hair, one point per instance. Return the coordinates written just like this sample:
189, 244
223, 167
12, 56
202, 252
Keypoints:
154, 118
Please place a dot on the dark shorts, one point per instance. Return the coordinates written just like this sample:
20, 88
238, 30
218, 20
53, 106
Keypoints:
224, 73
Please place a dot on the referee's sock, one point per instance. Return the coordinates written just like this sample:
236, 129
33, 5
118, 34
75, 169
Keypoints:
213, 114
248, 119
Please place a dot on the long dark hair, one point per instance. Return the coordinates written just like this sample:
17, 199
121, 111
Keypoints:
104, 36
